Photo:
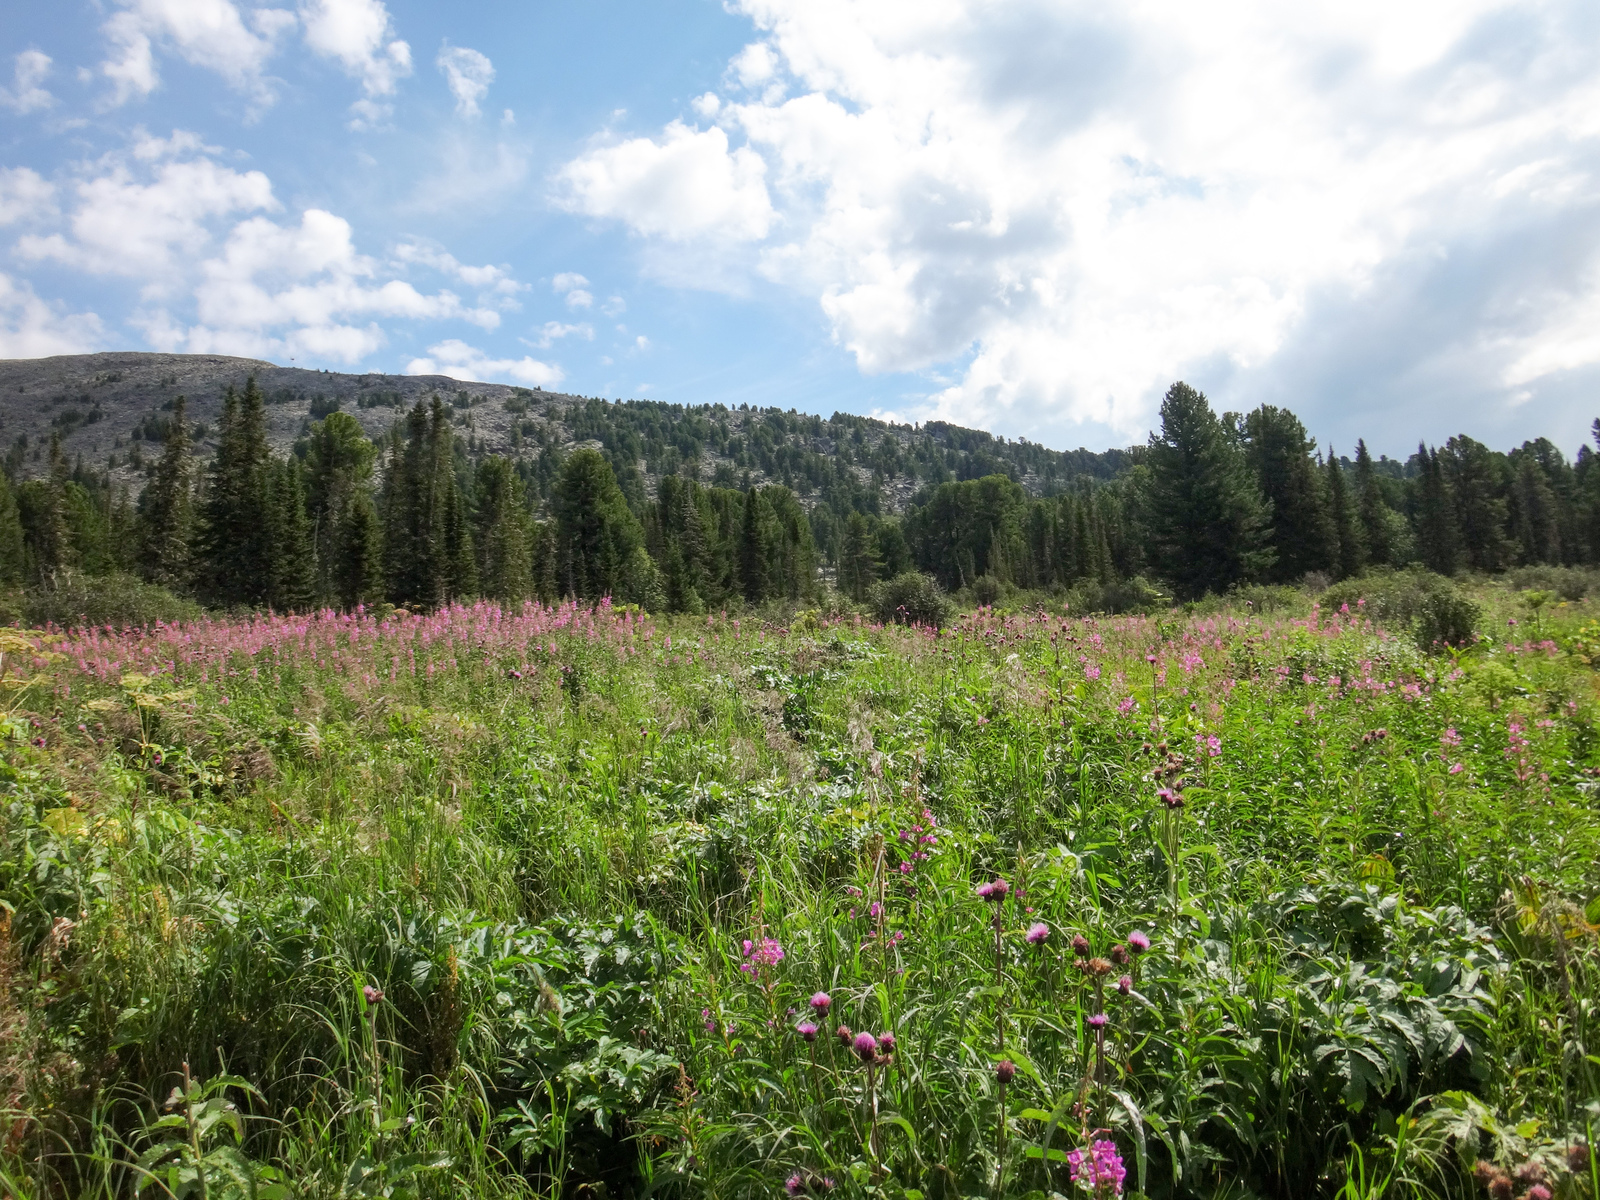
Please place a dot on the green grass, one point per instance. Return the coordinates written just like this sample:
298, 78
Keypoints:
546, 838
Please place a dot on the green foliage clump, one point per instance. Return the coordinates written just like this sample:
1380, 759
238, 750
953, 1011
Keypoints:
1435, 610
911, 598
71, 599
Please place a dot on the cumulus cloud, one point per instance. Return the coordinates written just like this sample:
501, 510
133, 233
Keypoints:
222, 272
458, 360
359, 35
31, 328
1077, 204
469, 75
31, 69
686, 185
213, 34
574, 288
24, 195
553, 331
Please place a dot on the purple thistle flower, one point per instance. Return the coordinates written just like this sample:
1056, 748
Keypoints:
373, 995
865, 1046
794, 1185
986, 891
807, 1030
1080, 945
821, 1001
843, 1034
886, 1043
1098, 1021
1037, 932
1138, 942
1125, 984
1005, 1070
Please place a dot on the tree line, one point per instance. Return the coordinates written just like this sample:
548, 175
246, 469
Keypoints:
1211, 502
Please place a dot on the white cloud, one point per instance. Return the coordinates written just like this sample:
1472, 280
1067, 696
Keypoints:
707, 105
614, 306
1080, 203
469, 75
220, 274
31, 328
360, 36
25, 195
25, 93
149, 217
574, 287
458, 360
207, 33
555, 330
641, 343
688, 185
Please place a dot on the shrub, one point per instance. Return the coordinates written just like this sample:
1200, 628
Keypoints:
1135, 595
987, 591
1258, 598
910, 599
1569, 583
1431, 606
122, 601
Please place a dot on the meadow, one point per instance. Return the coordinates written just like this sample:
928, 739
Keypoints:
576, 901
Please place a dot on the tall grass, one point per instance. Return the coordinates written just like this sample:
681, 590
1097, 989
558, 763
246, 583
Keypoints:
490, 903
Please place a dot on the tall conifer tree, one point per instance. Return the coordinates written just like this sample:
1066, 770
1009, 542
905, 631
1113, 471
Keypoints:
167, 519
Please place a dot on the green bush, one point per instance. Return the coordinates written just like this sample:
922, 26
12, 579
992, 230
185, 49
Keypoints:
123, 601
1569, 583
1435, 611
1135, 595
910, 599
987, 591
1258, 598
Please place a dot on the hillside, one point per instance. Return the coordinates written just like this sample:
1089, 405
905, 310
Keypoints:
110, 408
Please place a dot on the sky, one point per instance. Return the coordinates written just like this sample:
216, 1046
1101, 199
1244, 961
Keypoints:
1023, 216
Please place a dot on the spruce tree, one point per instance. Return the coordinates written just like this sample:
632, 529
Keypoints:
505, 571
236, 527
291, 574
1304, 534
167, 516
754, 549
1438, 539
1478, 479
13, 557
1208, 521
1372, 514
410, 548
858, 568
338, 479
596, 532
358, 577
1350, 553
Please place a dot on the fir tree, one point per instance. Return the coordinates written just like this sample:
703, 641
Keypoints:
1372, 513
1209, 522
338, 476
505, 571
1350, 554
13, 556
292, 579
358, 576
236, 530
1477, 478
1304, 532
858, 568
167, 504
1438, 540
754, 548
596, 532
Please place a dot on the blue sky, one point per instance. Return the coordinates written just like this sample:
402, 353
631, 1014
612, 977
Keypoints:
1020, 215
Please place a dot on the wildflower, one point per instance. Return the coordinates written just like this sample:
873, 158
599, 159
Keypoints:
1098, 1021
1171, 797
807, 1030
1098, 1168
1005, 1070
765, 953
706, 1018
1080, 945
1529, 1172
1125, 984
794, 1185
372, 994
821, 1001
1119, 954
865, 1047
994, 892
876, 910
1578, 1157
843, 1034
1099, 968
1037, 932
1138, 942
886, 1043
1538, 1192
1501, 1187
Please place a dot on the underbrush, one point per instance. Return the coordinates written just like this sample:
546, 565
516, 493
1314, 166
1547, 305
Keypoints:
1264, 901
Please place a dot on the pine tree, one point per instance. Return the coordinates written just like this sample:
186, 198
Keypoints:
358, 577
459, 576
291, 574
1438, 539
505, 571
13, 557
546, 562
596, 532
338, 478
410, 549
167, 517
1304, 534
235, 539
1372, 513
754, 550
1350, 553
1209, 522
857, 566
1477, 479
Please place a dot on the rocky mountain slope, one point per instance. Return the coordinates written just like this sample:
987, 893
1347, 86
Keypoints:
109, 411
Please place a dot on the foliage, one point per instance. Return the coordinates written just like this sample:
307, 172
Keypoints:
1433, 608
910, 598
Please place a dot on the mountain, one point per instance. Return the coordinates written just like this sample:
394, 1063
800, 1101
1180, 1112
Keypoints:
110, 410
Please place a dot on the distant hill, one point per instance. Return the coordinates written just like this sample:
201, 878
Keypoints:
109, 409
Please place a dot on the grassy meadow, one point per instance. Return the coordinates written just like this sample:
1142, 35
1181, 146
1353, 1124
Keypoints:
586, 903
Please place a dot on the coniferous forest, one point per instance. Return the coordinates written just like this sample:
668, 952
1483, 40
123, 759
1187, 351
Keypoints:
1211, 503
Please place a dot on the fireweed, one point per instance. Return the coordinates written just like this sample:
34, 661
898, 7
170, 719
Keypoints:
362, 796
